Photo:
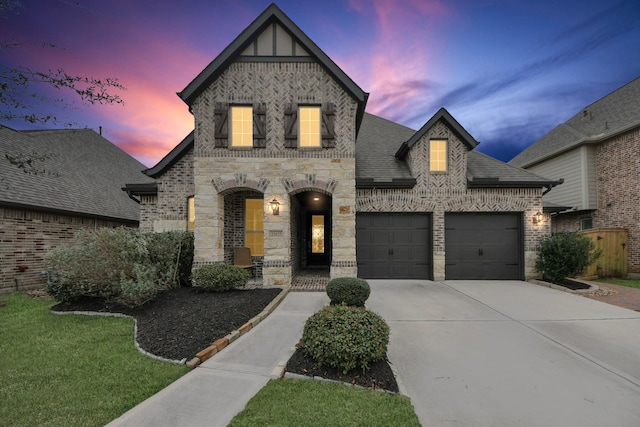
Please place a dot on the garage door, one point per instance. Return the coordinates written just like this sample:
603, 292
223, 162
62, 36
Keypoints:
393, 245
483, 246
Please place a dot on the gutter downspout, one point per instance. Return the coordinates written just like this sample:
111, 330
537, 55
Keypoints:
550, 186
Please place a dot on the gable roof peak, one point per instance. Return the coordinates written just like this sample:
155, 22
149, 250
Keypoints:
442, 114
270, 15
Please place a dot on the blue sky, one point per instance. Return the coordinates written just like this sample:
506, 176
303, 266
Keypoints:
508, 70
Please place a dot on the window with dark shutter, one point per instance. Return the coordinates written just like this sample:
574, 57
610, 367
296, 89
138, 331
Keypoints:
291, 125
328, 126
221, 116
260, 125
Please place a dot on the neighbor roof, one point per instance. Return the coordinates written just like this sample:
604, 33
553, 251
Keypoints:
75, 171
270, 15
611, 115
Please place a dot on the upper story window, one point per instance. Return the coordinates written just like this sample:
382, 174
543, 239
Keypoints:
191, 213
438, 155
309, 127
241, 126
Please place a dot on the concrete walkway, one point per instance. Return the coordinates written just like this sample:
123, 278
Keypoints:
509, 353
214, 392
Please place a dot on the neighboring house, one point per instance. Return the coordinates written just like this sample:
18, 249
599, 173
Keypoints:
57, 182
284, 160
597, 153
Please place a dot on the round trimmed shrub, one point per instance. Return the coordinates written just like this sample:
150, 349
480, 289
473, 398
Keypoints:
349, 291
345, 337
220, 277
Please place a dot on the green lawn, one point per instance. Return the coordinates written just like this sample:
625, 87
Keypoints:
313, 403
622, 282
71, 370
75, 370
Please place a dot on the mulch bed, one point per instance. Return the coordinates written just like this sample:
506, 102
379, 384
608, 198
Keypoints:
181, 322
378, 376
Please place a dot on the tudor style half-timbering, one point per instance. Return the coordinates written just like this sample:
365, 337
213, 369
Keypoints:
284, 160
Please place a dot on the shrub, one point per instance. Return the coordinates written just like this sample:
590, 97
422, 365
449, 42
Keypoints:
119, 264
172, 254
345, 337
220, 277
139, 289
565, 255
348, 290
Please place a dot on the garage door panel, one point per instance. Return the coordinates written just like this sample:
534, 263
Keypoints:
394, 245
483, 246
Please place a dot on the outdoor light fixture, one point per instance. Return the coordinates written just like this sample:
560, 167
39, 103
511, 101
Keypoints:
537, 218
275, 207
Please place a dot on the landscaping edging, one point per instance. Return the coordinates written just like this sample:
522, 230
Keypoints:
221, 343
592, 286
202, 355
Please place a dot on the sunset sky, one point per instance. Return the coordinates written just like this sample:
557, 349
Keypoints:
508, 70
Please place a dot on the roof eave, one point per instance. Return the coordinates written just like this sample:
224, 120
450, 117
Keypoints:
497, 183
595, 139
45, 209
377, 183
172, 157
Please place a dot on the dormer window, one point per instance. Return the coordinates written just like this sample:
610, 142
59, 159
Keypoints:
438, 155
241, 126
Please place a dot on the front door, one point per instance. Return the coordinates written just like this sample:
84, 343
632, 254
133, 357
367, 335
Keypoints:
318, 239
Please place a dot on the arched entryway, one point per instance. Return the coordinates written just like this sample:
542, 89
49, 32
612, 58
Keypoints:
244, 225
311, 230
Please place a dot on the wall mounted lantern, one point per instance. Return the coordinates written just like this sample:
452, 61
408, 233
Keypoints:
275, 207
537, 218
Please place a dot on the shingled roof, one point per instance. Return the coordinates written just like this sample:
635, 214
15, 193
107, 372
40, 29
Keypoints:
382, 145
75, 171
611, 115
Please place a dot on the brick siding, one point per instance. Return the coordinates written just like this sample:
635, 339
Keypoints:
25, 238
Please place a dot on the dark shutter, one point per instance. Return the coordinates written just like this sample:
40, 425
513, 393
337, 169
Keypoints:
259, 125
221, 113
291, 125
328, 126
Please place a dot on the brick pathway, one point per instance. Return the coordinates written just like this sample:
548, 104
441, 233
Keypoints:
622, 296
315, 280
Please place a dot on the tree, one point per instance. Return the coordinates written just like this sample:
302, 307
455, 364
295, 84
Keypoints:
22, 93
21, 88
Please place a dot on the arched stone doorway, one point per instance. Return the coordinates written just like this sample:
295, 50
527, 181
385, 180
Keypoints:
311, 230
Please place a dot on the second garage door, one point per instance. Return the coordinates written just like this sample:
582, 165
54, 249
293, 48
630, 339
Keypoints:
394, 245
483, 246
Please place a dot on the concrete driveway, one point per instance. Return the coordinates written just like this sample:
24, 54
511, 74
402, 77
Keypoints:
510, 353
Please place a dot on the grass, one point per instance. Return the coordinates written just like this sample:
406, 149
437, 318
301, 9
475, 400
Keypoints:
71, 370
631, 283
298, 403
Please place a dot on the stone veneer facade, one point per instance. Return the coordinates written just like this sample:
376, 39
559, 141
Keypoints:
439, 193
618, 188
25, 238
274, 171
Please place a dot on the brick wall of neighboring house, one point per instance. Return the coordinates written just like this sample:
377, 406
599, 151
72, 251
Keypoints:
439, 193
25, 238
618, 166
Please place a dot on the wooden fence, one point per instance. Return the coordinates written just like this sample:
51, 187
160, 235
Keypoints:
614, 259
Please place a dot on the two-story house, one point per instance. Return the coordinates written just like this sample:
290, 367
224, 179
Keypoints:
284, 160
597, 154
